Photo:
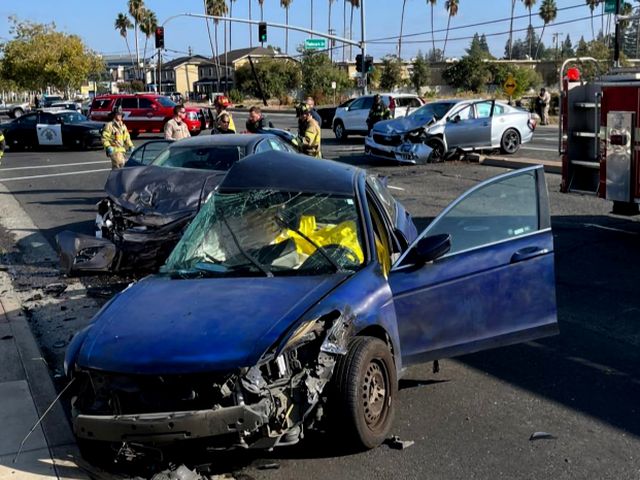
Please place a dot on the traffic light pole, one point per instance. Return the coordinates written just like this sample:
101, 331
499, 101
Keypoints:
363, 48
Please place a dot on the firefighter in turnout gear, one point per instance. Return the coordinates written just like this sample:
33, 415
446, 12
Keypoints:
221, 104
115, 139
309, 133
3, 144
379, 111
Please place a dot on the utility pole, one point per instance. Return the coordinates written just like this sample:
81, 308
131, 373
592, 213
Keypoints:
332, 43
363, 48
555, 39
616, 47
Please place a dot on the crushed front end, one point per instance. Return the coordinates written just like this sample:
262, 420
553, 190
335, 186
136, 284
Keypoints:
408, 147
263, 406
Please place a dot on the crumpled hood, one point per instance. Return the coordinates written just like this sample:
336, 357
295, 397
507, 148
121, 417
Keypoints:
152, 190
397, 125
167, 326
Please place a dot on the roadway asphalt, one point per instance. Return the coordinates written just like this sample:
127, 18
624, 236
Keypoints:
474, 419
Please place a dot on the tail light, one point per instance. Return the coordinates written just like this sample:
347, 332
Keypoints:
532, 122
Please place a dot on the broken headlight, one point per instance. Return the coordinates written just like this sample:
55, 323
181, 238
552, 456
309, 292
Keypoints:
417, 136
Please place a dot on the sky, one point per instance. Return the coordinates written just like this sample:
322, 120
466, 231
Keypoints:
93, 22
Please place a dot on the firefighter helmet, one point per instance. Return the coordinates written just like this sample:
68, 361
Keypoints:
222, 101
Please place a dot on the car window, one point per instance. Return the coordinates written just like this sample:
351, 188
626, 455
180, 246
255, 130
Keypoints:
483, 109
368, 103
385, 198
276, 144
27, 120
165, 101
69, 117
380, 236
100, 104
357, 104
498, 211
429, 111
410, 102
498, 110
129, 103
145, 103
147, 152
263, 146
465, 114
200, 158
47, 119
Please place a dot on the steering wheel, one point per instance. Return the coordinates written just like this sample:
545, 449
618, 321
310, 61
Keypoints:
345, 257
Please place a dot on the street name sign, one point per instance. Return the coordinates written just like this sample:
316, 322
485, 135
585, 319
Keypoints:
315, 44
510, 85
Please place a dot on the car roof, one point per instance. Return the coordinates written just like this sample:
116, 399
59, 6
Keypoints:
233, 140
291, 172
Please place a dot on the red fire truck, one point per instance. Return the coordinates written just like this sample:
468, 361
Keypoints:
600, 134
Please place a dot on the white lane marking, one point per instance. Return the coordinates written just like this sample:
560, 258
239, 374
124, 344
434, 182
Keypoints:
540, 149
52, 166
391, 187
31, 177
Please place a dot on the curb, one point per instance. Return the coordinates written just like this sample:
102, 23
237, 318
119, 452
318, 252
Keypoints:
515, 163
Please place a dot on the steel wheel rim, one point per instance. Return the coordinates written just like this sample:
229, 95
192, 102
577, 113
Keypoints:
375, 393
511, 142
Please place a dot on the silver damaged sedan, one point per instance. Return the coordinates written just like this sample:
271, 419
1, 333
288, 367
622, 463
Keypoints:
441, 128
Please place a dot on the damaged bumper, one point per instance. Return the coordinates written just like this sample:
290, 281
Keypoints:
80, 252
406, 152
160, 428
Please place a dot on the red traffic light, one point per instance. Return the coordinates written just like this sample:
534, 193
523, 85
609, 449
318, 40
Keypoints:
159, 37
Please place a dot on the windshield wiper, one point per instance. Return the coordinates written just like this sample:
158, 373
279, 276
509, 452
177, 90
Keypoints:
283, 223
246, 254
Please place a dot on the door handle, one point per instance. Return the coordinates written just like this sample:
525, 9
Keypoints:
528, 253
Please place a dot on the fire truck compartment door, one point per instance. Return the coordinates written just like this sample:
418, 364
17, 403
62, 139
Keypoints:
620, 128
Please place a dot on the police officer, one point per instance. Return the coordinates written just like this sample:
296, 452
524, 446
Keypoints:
115, 139
176, 128
309, 133
379, 111
221, 104
3, 144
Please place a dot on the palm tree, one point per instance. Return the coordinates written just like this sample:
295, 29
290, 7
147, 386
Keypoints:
354, 4
136, 10
123, 24
548, 13
219, 9
529, 4
452, 8
513, 8
230, 23
592, 6
147, 27
286, 4
433, 38
404, 2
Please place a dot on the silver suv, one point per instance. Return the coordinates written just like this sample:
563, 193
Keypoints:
352, 119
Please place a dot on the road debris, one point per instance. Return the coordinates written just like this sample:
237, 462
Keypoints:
34, 298
541, 436
181, 473
55, 289
397, 444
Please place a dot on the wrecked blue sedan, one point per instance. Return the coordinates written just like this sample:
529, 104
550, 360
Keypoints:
298, 296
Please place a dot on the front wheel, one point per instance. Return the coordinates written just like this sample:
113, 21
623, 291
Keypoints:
438, 149
17, 113
365, 390
339, 131
510, 142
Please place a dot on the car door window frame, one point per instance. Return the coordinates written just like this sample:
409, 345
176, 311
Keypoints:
491, 109
542, 205
357, 104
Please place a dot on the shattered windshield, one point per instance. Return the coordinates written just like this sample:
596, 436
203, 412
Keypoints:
435, 110
267, 232
200, 158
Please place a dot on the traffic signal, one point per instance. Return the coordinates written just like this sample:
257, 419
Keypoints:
359, 62
262, 32
368, 64
159, 37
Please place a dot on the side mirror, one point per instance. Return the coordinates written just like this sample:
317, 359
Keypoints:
429, 249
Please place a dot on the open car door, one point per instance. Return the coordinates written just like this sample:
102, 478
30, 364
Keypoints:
494, 286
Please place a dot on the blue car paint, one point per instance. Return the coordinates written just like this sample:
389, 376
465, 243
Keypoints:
170, 326
462, 300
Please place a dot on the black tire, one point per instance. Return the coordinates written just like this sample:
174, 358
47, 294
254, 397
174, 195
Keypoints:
365, 388
195, 133
339, 130
510, 142
439, 149
17, 113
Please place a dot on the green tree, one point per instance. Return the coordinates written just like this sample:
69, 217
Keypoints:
452, 7
592, 4
432, 4
217, 8
526, 78
317, 74
469, 74
478, 48
420, 73
148, 25
391, 75
136, 10
567, 48
286, 4
513, 9
123, 25
277, 78
39, 56
529, 4
548, 13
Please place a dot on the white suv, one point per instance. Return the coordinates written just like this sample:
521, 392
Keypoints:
352, 119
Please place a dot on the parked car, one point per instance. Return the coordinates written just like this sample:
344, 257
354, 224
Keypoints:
58, 106
439, 128
151, 201
327, 113
295, 300
144, 112
64, 128
14, 110
352, 118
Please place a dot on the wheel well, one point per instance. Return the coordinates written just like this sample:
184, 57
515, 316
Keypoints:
377, 331
337, 121
511, 128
